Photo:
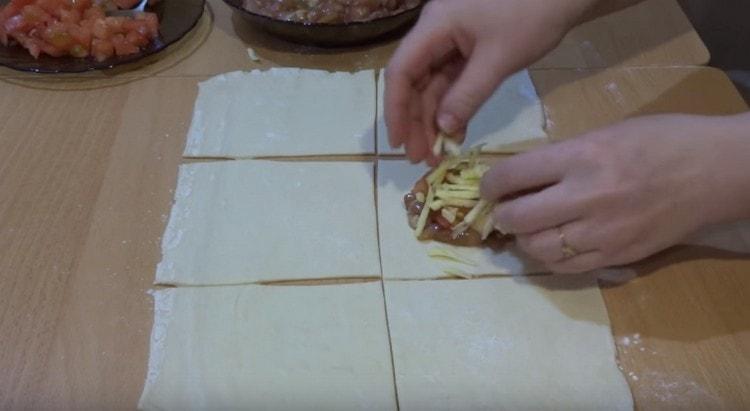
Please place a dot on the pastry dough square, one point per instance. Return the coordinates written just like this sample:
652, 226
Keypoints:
270, 347
528, 343
283, 112
512, 120
405, 257
244, 221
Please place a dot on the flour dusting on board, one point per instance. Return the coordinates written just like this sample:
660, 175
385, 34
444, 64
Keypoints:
676, 391
591, 55
614, 91
253, 55
163, 303
627, 340
548, 122
173, 235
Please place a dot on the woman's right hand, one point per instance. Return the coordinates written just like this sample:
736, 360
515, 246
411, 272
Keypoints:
457, 55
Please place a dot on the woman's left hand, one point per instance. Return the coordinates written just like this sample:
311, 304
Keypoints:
620, 194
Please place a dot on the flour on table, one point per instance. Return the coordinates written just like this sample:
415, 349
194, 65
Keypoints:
510, 120
283, 112
270, 347
405, 257
536, 343
246, 221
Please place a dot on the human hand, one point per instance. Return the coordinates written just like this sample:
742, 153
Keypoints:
457, 55
617, 195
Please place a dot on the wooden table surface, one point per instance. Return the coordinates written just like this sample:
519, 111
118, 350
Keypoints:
87, 179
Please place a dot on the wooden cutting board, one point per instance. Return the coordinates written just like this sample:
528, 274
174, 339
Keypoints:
87, 178
86, 190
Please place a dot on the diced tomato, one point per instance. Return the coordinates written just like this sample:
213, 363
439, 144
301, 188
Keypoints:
100, 30
31, 44
52, 7
102, 49
94, 13
152, 23
442, 221
75, 27
15, 7
57, 35
82, 5
35, 15
136, 25
115, 25
136, 39
52, 50
78, 51
33, 48
122, 46
81, 35
71, 16
17, 24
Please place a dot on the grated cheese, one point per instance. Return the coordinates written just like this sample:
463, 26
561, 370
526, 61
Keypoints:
445, 145
425, 212
450, 255
253, 55
452, 202
455, 272
450, 195
455, 183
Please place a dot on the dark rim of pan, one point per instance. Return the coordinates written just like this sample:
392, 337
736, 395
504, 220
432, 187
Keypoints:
236, 5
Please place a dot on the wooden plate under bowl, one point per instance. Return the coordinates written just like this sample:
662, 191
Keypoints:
329, 35
176, 19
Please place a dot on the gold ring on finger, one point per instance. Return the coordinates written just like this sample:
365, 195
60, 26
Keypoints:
568, 251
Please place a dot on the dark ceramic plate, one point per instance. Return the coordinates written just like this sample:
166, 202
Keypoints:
176, 18
329, 35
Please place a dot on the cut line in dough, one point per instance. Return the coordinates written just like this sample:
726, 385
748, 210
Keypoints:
512, 119
283, 112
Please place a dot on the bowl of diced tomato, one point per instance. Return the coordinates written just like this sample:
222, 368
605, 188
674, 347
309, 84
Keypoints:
70, 36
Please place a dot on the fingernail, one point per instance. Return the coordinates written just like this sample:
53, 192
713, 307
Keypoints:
496, 221
447, 123
500, 228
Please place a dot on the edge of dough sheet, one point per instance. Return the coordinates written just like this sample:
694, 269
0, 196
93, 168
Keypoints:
164, 274
520, 83
163, 303
198, 137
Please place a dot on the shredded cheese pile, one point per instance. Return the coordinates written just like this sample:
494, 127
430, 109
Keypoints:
452, 256
453, 184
